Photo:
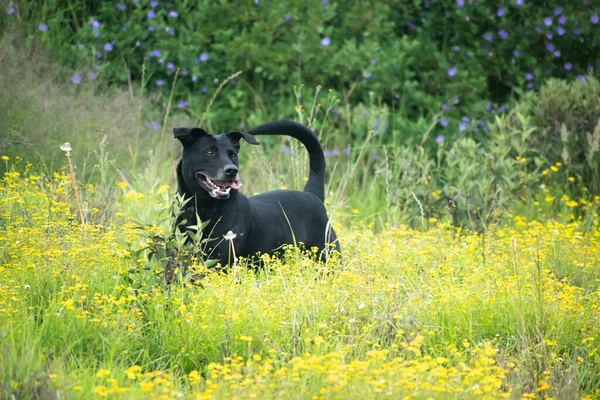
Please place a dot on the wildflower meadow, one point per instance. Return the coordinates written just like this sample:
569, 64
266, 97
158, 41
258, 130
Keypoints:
462, 141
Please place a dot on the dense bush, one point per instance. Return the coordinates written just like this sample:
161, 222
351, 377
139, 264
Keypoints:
461, 58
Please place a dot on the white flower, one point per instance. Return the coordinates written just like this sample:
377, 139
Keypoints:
66, 147
229, 236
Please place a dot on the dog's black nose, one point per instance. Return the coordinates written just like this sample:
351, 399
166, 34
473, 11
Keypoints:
231, 171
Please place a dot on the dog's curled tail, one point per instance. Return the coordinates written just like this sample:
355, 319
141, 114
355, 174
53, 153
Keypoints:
316, 176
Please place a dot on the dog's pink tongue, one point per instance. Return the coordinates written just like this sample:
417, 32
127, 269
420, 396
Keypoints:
236, 186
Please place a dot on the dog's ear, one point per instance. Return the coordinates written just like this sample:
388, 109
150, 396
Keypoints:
235, 137
188, 135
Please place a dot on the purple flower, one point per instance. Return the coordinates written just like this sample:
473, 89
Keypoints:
488, 107
560, 30
108, 47
550, 47
577, 31
456, 100
590, 68
156, 125
151, 28
462, 127
460, 3
92, 75
581, 78
323, 2
325, 42
203, 57
488, 37
367, 75
376, 156
452, 71
173, 14
444, 122
516, 53
547, 21
184, 72
501, 108
155, 53
557, 11
503, 34
465, 118
137, 44
160, 82
500, 12
372, 61
439, 139
568, 66
519, 2
121, 6
556, 53
76, 79
528, 76
153, 4
456, 48
95, 24
96, 34
98, 54
183, 104
285, 150
11, 10
194, 78
594, 19
347, 151
549, 35
445, 107
204, 89
529, 85
288, 17
43, 27
151, 14
170, 65
562, 20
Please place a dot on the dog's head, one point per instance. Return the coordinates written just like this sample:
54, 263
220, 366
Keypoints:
210, 163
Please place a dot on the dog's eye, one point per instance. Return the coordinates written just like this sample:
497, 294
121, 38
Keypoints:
232, 154
210, 152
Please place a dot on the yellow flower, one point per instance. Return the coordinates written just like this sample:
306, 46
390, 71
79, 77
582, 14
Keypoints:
102, 373
146, 386
245, 338
571, 179
133, 371
122, 185
5, 158
543, 385
101, 391
194, 377
318, 340
553, 168
355, 211
78, 388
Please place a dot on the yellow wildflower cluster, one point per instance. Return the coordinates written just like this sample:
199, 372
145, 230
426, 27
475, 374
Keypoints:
442, 313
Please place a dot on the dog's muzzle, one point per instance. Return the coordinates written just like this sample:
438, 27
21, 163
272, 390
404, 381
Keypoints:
219, 189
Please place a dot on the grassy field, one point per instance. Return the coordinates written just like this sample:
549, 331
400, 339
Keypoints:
454, 283
440, 313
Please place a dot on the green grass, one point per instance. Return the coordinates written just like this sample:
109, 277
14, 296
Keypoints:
494, 299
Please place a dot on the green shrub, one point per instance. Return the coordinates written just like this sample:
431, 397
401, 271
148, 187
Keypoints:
567, 117
461, 58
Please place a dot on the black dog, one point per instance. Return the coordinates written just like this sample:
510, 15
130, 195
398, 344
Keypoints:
208, 173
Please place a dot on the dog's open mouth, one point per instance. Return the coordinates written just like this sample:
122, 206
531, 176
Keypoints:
217, 189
